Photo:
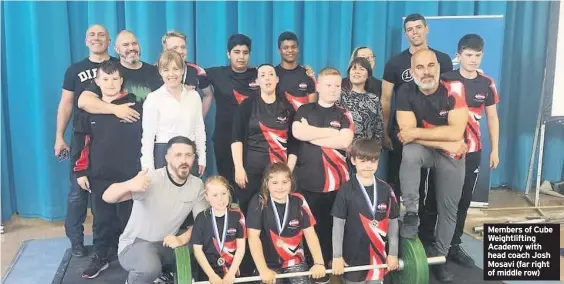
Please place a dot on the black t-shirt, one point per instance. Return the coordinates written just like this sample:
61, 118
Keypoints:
480, 92
113, 149
295, 85
79, 76
431, 110
196, 76
230, 90
203, 234
321, 169
140, 81
362, 243
286, 249
265, 131
398, 72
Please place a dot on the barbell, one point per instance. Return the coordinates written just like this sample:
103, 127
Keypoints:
413, 266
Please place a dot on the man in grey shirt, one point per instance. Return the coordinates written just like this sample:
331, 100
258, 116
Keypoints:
161, 201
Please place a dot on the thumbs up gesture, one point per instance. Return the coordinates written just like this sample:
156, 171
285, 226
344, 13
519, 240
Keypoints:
140, 182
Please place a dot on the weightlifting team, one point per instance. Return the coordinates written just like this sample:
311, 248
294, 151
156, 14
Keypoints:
296, 155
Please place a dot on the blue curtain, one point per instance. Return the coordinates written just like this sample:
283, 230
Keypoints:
41, 39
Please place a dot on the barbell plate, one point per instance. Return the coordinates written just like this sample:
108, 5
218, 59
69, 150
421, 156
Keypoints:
183, 265
416, 268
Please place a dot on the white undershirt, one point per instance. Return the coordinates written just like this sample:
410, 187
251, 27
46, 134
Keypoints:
165, 117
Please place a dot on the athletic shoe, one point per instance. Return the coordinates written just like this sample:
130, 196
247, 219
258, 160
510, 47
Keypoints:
165, 278
459, 256
409, 225
78, 250
441, 271
96, 266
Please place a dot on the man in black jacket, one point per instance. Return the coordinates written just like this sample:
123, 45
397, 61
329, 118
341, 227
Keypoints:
111, 153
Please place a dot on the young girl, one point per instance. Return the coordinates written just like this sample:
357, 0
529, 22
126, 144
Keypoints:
219, 233
278, 219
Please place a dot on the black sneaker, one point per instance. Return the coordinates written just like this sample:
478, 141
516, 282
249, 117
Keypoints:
409, 225
457, 255
442, 273
78, 250
165, 278
96, 266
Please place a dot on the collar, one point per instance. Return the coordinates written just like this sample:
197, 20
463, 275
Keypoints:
172, 180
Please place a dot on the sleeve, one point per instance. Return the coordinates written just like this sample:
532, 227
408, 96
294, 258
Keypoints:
390, 72
293, 143
493, 97
241, 121
393, 205
197, 237
302, 112
308, 219
68, 81
210, 75
393, 237
456, 94
199, 128
311, 85
80, 147
339, 209
347, 120
149, 122
241, 227
254, 214
402, 98
201, 203
338, 236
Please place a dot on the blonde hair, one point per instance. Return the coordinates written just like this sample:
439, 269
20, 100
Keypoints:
169, 56
170, 34
270, 170
328, 71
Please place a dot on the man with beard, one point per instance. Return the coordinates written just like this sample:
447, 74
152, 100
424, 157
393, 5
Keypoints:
432, 117
294, 84
195, 77
232, 85
161, 201
77, 77
140, 78
396, 73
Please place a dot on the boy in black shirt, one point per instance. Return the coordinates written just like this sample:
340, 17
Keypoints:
232, 84
111, 154
325, 131
294, 84
365, 218
396, 73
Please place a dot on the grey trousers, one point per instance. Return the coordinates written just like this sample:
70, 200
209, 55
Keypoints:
144, 261
449, 179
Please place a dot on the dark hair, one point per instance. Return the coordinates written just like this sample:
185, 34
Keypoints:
412, 18
266, 64
238, 39
365, 149
347, 85
287, 36
181, 140
108, 67
470, 41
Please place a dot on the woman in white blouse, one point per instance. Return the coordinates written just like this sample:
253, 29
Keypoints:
170, 111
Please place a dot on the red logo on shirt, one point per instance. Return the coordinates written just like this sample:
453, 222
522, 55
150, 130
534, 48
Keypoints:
335, 124
302, 86
231, 231
443, 112
480, 97
382, 206
294, 223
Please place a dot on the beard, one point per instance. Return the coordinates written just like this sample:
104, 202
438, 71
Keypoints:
182, 171
131, 60
429, 85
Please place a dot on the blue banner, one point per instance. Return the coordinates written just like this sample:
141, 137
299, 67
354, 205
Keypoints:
444, 34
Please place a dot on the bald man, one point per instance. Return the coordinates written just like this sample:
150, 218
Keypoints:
77, 77
140, 78
432, 117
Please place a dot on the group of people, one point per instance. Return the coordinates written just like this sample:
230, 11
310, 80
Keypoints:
297, 154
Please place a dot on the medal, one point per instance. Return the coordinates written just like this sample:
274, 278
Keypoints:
280, 227
221, 241
371, 204
221, 261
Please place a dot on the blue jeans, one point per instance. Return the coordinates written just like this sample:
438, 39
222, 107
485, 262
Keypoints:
77, 203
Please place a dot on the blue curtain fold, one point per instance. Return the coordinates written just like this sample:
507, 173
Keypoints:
41, 39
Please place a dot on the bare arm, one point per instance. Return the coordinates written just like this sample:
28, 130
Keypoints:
91, 103
117, 192
237, 154
238, 257
292, 159
387, 89
341, 141
185, 237
454, 131
406, 120
64, 113
306, 132
207, 99
313, 245
255, 245
493, 126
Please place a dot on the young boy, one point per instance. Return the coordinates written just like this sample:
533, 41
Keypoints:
109, 155
365, 217
325, 131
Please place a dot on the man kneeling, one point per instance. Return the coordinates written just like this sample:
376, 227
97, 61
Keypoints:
432, 117
161, 201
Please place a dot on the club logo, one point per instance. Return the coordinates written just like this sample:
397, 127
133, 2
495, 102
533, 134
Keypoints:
302, 86
382, 206
335, 124
281, 119
443, 113
406, 75
480, 97
231, 231
294, 223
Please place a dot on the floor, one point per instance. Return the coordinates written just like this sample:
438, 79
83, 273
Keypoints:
18, 229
